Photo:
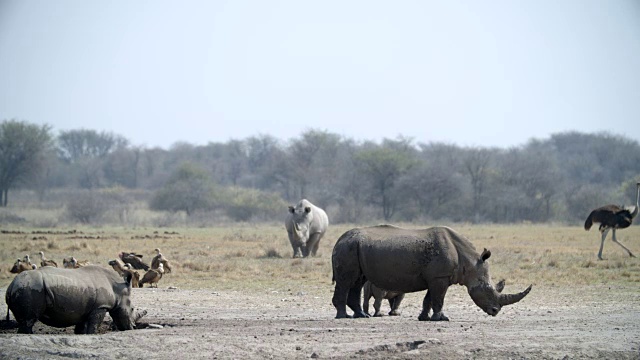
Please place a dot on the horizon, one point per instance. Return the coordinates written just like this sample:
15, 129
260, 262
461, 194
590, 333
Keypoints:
492, 74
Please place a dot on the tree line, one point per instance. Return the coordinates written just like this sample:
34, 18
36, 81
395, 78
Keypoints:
560, 178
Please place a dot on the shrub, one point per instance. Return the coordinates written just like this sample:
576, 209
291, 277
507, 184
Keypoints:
243, 204
189, 189
86, 207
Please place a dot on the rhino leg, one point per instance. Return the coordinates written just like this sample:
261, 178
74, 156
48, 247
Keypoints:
296, 245
437, 290
426, 307
28, 311
348, 296
367, 297
353, 300
94, 319
313, 244
340, 300
377, 302
395, 305
80, 328
26, 327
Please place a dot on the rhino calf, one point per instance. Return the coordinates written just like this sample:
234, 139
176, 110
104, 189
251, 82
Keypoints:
306, 225
64, 297
394, 298
405, 261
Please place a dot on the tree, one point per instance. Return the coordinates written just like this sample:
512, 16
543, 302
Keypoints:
311, 159
476, 164
86, 152
74, 145
189, 189
22, 147
382, 167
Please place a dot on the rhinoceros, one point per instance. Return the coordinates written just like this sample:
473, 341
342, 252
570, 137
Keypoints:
65, 297
394, 298
407, 261
306, 225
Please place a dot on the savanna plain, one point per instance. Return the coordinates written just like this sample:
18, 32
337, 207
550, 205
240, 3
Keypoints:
235, 292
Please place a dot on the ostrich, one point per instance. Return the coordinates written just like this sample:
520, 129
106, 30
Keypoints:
613, 217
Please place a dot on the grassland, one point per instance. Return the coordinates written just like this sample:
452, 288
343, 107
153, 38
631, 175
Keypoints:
248, 256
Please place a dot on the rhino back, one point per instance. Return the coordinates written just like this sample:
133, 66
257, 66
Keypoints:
64, 297
405, 260
320, 221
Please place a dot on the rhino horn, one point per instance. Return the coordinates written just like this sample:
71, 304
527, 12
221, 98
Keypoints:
508, 299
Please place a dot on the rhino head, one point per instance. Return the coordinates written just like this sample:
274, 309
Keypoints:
123, 314
482, 292
301, 218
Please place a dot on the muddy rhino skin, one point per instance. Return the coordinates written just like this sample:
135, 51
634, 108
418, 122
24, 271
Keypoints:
70, 297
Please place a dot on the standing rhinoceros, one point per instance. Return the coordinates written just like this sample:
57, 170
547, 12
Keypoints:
65, 297
413, 260
394, 298
306, 225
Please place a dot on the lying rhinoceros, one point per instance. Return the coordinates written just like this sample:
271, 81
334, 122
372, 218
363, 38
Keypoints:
65, 297
394, 298
413, 260
306, 225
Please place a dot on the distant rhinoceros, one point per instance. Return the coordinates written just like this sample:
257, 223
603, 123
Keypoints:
66, 297
394, 298
306, 225
413, 260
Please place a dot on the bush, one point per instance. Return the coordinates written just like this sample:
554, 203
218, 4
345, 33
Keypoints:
189, 189
86, 207
243, 204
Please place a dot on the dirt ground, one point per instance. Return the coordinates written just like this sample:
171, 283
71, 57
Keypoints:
298, 322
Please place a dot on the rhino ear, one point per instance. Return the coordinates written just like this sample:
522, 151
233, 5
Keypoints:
127, 277
307, 209
291, 209
485, 255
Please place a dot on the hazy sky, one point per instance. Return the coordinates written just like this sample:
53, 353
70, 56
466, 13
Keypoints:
481, 73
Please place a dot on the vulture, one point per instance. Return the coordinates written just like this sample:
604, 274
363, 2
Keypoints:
117, 265
613, 217
46, 262
73, 263
135, 260
27, 259
160, 259
20, 266
152, 276
124, 269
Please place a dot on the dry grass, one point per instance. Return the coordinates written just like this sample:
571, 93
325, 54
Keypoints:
247, 256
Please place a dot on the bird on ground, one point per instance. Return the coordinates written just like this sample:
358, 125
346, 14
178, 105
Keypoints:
135, 260
160, 259
73, 263
46, 262
124, 270
20, 266
152, 276
613, 217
